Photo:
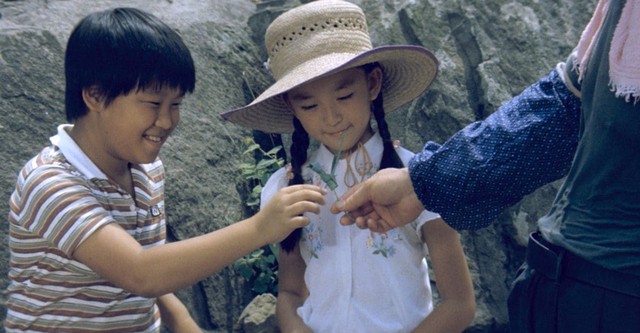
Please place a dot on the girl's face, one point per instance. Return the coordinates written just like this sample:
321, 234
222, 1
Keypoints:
335, 110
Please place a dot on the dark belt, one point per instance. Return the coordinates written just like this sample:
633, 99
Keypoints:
555, 262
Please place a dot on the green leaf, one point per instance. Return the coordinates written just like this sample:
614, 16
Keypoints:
251, 148
274, 151
326, 178
245, 271
265, 164
259, 268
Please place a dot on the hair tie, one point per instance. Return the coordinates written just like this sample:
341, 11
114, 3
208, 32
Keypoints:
289, 171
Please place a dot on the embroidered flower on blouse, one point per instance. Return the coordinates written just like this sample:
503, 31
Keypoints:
311, 235
381, 243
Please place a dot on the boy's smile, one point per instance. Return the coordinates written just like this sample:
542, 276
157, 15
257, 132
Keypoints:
130, 130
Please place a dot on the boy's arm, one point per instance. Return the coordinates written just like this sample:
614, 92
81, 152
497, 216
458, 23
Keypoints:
113, 254
456, 309
175, 315
292, 291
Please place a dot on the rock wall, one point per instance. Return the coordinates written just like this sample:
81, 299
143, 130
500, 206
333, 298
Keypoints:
489, 51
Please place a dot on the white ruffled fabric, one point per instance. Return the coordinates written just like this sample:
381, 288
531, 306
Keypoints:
624, 55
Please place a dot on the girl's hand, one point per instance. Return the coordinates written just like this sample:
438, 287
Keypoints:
284, 212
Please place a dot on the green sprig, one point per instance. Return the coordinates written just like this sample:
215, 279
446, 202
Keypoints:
330, 178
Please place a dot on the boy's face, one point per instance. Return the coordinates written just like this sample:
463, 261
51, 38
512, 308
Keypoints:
135, 126
335, 110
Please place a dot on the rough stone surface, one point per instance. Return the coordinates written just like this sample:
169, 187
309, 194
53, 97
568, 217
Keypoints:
259, 316
488, 51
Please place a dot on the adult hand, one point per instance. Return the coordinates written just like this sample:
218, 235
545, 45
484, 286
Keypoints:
380, 203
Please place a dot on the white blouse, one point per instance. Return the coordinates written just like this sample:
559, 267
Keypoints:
359, 281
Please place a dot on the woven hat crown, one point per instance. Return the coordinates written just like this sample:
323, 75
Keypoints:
322, 38
306, 33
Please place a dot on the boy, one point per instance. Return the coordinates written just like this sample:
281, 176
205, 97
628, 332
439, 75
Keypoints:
87, 225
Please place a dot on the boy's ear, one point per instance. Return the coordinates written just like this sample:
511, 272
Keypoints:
92, 98
375, 83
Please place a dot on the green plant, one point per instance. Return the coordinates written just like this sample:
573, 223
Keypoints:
259, 268
329, 178
258, 170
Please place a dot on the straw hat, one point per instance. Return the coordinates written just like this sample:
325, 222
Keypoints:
321, 38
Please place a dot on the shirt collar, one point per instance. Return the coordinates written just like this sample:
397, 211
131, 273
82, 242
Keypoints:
326, 156
74, 154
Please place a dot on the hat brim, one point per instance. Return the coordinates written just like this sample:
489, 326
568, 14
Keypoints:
407, 72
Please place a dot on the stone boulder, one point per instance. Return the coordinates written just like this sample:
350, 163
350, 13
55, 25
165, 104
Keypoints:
488, 50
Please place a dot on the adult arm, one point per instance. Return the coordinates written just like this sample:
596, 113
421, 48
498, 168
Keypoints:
483, 169
492, 164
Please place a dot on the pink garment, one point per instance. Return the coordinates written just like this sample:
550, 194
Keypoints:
624, 55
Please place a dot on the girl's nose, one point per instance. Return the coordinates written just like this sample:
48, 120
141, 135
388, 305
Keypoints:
332, 116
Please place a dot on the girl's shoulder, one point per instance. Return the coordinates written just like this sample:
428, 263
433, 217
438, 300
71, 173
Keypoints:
275, 182
426, 216
280, 178
405, 154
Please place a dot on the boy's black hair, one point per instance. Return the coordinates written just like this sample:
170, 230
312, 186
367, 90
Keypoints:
300, 145
123, 49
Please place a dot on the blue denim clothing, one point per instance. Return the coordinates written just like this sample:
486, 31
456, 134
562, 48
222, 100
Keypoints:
492, 164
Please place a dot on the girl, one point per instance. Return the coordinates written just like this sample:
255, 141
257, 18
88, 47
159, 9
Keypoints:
329, 81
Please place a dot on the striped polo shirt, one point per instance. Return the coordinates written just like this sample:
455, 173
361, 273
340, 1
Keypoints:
61, 197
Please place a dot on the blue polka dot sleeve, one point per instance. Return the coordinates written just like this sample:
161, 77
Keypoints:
492, 164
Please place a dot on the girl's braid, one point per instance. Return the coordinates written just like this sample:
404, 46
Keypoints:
390, 158
299, 147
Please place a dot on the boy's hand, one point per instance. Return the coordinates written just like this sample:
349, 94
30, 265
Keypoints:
284, 212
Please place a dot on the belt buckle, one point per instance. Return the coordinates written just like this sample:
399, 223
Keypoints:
549, 253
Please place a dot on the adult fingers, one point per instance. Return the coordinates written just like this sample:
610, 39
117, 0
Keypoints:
355, 198
374, 224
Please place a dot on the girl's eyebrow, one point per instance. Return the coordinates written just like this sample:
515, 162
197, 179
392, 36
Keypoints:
345, 83
342, 84
299, 96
